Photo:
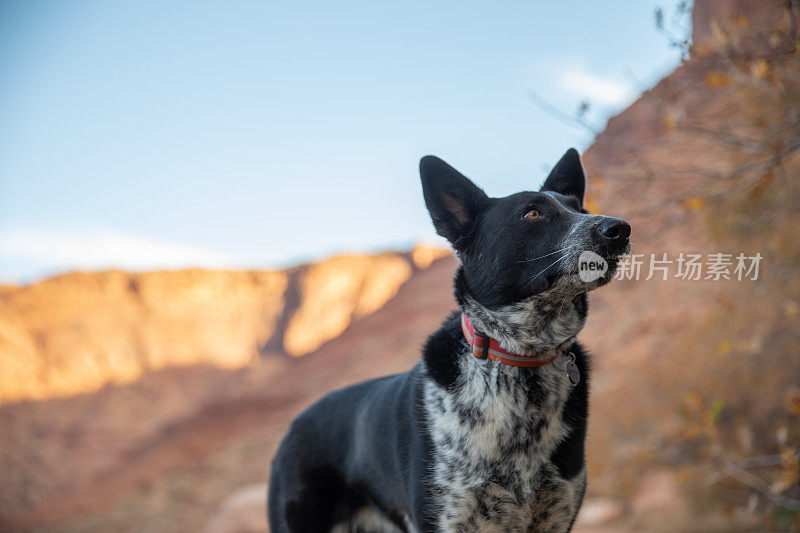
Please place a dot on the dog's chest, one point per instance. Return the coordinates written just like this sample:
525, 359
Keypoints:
493, 437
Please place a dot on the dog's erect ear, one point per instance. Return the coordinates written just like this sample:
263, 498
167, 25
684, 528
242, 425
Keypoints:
568, 176
452, 199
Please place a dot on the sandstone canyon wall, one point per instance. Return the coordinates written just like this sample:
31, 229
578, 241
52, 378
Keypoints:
76, 332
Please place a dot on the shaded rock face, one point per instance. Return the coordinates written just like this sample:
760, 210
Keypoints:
679, 166
76, 332
709, 16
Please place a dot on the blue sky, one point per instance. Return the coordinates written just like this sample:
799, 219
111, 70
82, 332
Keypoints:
148, 135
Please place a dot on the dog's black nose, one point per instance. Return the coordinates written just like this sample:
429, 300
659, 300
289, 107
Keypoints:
614, 229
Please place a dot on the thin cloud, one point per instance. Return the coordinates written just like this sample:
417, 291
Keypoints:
596, 89
59, 250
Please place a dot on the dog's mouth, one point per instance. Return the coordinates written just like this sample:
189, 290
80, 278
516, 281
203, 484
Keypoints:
615, 259
593, 269
585, 270
613, 262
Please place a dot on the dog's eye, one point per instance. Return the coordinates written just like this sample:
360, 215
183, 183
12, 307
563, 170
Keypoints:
533, 214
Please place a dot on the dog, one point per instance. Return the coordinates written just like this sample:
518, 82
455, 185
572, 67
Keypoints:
486, 432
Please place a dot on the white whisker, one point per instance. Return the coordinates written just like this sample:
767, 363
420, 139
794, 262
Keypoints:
551, 264
545, 255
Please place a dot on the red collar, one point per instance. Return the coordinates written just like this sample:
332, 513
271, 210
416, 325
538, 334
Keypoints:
484, 346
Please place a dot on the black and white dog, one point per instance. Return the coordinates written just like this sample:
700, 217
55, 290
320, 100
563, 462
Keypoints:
486, 432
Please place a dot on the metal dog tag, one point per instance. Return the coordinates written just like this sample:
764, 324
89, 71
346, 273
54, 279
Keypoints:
572, 370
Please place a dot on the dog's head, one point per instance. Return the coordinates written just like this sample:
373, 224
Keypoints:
527, 243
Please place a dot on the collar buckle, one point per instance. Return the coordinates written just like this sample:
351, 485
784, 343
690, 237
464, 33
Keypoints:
482, 351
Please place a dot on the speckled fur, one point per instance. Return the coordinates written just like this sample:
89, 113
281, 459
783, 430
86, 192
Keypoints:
495, 431
534, 325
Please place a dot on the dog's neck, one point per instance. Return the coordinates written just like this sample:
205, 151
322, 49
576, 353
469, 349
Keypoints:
537, 324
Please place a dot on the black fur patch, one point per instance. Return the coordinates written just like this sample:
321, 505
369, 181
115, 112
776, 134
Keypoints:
438, 350
315, 509
569, 455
